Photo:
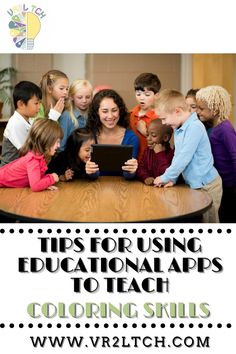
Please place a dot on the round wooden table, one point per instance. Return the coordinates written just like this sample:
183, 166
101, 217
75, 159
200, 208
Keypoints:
108, 199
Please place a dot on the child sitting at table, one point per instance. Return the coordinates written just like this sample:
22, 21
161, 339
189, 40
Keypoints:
214, 106
192, 157
158, 155
70, 163
29, 170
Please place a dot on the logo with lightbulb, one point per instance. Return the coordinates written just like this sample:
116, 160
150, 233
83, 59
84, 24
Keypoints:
25, 25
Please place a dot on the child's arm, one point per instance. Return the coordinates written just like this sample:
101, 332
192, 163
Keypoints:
56, 178
158, 183
37, 181
142, 127
229, 141
57, 110
183, 156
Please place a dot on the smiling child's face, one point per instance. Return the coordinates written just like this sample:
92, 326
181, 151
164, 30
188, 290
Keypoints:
154, 134
85, 150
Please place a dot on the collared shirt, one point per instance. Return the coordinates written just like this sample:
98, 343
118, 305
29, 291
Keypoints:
16, 130
147, 118
193, 157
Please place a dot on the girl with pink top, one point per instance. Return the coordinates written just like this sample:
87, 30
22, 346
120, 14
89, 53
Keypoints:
30, 169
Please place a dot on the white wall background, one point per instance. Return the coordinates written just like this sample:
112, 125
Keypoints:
72, 64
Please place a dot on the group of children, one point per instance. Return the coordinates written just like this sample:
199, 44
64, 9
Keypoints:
71, 118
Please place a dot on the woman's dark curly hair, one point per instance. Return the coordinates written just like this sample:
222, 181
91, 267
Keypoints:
94, 122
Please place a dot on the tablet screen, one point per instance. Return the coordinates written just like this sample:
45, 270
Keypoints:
111, 157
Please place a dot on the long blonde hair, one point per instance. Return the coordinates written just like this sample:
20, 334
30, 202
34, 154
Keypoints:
41, 137
47, 82
75, 87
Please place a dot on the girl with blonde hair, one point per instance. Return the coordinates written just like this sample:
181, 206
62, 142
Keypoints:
29, 170
55, 86
75, 115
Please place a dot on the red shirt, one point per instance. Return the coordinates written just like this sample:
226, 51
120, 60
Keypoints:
28, 170
147, 118
154, 164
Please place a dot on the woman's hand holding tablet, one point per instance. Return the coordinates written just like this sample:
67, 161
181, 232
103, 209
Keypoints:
130, 166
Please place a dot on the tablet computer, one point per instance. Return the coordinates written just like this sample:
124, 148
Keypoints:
110, 157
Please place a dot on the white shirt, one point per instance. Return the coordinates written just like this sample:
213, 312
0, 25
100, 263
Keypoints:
17, 130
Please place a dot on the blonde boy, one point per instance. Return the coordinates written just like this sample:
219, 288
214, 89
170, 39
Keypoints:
192, 157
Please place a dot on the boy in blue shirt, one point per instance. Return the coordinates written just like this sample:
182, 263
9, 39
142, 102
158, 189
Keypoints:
193, 157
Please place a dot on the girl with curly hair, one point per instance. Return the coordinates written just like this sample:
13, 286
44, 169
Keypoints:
214, 106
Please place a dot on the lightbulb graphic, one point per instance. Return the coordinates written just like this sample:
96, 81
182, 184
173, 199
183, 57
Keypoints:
33, 27
24, 27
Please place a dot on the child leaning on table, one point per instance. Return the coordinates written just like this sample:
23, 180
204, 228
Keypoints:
70, 163
29, 170
158, 155
192, 156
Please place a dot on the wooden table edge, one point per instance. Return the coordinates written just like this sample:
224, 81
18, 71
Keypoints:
29, 219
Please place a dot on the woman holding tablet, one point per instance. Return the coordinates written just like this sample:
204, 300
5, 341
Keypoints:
108, 119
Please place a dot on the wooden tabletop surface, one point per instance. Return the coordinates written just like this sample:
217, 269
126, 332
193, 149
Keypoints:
108, 199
